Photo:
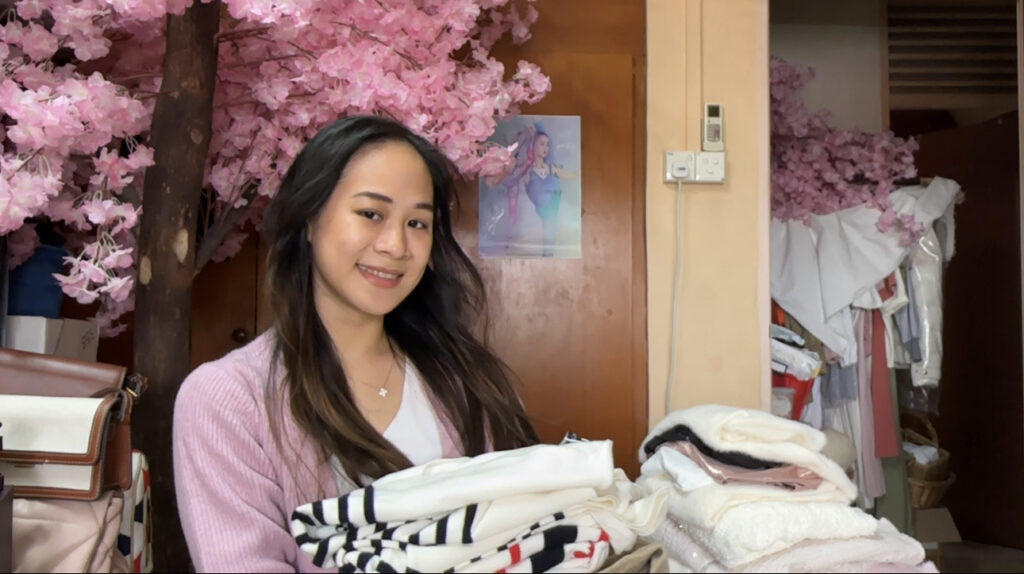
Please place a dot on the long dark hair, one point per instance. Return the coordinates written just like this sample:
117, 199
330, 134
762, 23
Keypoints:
432, 326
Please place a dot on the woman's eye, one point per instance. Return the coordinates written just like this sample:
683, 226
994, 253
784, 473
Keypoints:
416, 224
370, 214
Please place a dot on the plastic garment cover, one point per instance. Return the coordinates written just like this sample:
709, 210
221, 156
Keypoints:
925, 271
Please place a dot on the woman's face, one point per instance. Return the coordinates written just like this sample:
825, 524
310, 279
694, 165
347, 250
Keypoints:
371, 242
540, 146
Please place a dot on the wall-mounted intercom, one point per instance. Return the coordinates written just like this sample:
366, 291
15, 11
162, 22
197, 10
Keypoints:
712, 128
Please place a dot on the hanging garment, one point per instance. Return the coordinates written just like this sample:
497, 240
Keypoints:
869, 477
886, 436
907, 321
814, 414
839, 386
925, 271
818, 269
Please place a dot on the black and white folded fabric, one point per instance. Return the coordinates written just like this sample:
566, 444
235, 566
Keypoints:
521, 510
563, 548
446, 545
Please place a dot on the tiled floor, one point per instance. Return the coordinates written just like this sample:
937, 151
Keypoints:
974, 557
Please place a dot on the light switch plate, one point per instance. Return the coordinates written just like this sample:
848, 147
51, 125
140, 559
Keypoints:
710, 167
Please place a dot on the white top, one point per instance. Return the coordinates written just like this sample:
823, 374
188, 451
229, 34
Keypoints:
414, 429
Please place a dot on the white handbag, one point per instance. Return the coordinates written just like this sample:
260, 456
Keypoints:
54, 446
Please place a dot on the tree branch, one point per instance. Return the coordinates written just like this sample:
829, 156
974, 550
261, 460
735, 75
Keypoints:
258, 62
145, 95
231, 35
308, 54
214, 236
249, 101
122, 79
370, 36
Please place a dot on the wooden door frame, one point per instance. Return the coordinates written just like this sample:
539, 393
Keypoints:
1020, 138
641, 384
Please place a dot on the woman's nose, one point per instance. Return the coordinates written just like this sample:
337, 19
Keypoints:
392, 240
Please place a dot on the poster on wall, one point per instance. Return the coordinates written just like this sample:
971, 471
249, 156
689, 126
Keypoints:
532, 209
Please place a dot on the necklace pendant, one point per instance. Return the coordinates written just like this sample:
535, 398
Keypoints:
382, 392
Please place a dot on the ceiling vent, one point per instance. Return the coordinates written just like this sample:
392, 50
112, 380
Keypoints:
942, 55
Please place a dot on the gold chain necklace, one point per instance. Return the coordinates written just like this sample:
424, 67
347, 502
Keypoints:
382, 390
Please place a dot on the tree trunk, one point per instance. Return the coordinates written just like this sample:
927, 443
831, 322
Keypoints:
180, 137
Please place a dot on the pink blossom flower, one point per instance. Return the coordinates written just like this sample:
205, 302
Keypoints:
118, 287
309, 63
818, 169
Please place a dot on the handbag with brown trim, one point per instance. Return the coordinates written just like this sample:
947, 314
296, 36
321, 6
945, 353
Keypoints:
67, 425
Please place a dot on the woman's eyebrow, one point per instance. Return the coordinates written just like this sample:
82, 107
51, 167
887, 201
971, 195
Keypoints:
374, 195
381, 197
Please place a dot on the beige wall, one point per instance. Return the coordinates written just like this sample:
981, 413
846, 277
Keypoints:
709, 50
842, 41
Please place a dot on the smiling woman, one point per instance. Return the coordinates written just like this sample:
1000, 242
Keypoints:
372, 241
370, 365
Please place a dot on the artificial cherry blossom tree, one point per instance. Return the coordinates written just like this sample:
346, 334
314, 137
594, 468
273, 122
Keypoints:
153, 132
817, 169
77, 141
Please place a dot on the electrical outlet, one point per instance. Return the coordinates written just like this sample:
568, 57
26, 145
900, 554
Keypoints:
679, 166
710, 167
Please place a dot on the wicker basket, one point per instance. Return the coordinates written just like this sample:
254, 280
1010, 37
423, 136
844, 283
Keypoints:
935, 470
928, 493
928, 482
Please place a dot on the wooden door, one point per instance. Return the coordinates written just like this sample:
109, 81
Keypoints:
574, 330
224, 304
980, 417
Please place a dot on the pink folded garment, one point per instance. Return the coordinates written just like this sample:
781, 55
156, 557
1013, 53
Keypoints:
789, 476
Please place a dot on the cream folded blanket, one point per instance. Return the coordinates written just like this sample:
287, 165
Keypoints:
758, 434
887, 550
886, 545
755, 530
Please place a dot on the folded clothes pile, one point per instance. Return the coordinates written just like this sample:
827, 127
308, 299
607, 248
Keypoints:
544, 508
752, 492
